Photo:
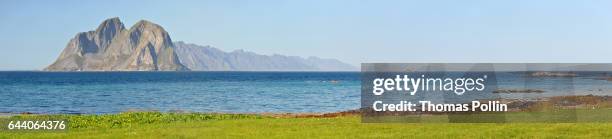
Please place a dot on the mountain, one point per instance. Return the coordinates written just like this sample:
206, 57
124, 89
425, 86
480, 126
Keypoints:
111, 47
147, 47
208, 58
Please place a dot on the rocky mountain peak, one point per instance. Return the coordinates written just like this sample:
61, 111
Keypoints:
144, 25
110, 25
145, 46
148, 31
109, 28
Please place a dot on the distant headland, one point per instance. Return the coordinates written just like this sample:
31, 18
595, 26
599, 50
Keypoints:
146, 46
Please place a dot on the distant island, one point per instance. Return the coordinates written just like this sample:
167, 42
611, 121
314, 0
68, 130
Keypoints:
146, 46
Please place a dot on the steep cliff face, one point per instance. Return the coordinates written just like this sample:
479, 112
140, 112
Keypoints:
147, 47
111, 47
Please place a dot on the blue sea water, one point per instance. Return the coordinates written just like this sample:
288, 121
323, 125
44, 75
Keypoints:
232, 92
228, 92
584, 83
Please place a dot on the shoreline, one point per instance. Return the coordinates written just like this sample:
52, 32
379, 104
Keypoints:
516, 105
268, 114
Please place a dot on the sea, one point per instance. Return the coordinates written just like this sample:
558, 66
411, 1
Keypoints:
226, 92
223, 92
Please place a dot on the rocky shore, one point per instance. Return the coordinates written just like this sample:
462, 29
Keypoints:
552, 74
518, 91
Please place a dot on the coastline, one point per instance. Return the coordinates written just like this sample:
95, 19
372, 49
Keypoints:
151, 124
515, 105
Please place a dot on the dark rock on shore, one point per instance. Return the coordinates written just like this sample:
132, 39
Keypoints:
552, 74
518, 91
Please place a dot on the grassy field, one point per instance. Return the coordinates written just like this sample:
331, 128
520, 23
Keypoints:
170, 125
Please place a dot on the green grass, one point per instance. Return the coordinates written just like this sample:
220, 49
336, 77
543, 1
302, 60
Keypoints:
171, 125
544, 116
130, 119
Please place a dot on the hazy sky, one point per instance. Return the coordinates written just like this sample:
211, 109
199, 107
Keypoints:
33, 33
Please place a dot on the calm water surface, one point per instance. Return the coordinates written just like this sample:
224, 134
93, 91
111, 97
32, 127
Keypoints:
236, 92
233, 92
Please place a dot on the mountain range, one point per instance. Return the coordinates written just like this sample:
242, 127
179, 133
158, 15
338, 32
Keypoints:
146, 46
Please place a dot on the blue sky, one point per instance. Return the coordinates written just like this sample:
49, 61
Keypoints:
34, 32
